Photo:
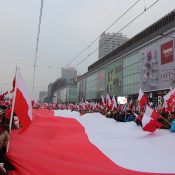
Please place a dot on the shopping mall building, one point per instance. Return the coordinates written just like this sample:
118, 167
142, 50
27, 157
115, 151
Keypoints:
146, 61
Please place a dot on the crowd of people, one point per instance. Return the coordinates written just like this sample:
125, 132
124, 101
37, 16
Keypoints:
121, 113
5, 115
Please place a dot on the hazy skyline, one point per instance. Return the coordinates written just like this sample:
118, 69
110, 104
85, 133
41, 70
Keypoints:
67, 28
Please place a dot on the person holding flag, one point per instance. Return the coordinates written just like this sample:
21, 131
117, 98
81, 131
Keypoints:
22, 104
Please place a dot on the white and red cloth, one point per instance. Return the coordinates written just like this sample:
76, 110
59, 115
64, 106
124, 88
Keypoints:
149, 120
113, 104
22, 104
90, 144
169, 94
142, 98
108, 100
102, 100
130, 105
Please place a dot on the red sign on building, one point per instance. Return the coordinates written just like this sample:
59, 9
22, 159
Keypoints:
167, 52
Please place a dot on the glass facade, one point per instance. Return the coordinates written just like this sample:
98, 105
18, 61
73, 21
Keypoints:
72, 93
119, 78
63, 95
91, 87
114, 79
81, 89
67, 94
95, 85
131, 75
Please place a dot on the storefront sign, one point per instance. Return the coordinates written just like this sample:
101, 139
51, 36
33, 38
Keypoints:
167, 52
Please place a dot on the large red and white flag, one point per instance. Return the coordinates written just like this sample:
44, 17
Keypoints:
22, 103
149, 120
141, 98
104, 147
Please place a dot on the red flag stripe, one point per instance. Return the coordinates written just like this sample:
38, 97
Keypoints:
21, 109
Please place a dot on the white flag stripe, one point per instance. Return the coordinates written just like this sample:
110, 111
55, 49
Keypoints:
171, 92
128, 145
147, 116
145, 120
140, 94
23, 88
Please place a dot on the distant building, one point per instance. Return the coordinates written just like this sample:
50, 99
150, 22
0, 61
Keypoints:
42, 96
69, 74
109, 42
64, 89
68, 94
54, 87
146, 61
50, 90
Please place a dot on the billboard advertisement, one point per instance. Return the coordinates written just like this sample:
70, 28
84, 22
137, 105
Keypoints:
114, 78
157, 66
101, 81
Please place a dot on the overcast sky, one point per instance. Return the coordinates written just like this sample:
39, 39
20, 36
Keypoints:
67, 28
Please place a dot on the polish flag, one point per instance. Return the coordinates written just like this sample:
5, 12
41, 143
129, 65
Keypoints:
130, 105
22, 103
169, 94
113, 104
141, 98
108, 100
87, 105
138, 117
11, 91
102, 100
103, 148
149, 120
170, 101
5, 93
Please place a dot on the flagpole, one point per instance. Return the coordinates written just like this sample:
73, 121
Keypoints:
13, 104
165, 120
